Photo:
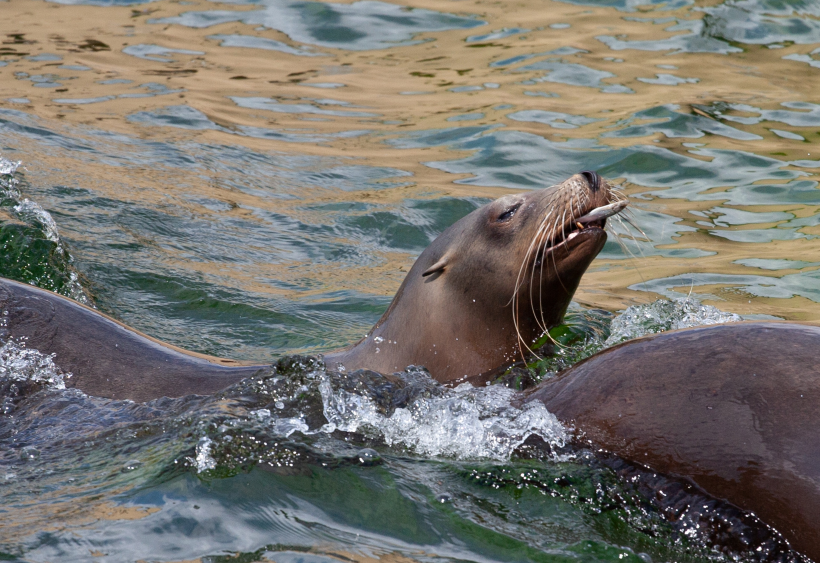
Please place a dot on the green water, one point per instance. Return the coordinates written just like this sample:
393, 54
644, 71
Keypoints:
254, 179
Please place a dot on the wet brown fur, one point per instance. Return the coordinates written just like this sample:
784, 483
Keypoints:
733, 408
478, 297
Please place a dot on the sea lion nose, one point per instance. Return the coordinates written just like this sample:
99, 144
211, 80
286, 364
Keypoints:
593, 179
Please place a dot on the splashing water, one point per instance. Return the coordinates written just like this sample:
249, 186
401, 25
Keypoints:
587, 333
21, 364
204, 459
409, 411
8, 183
8, 167
463, 423
663, 315
34, 211
18, 363
30, 243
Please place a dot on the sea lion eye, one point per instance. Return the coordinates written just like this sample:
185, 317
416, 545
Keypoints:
508, 214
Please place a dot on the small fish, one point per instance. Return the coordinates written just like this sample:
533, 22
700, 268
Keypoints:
604, 211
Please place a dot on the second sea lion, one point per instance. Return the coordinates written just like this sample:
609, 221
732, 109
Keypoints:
733, 408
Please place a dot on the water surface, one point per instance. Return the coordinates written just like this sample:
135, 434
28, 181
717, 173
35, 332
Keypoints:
253, 179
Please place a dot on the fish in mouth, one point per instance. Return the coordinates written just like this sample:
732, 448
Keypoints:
572, 217
595, 219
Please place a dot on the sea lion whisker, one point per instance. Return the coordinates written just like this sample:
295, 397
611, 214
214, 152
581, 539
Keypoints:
539, 316
557, 273
521, 270
535, 244
577, 201
531, 269
617, 195
619, 241
626, 249
543, 322
627, 218
525, 262
514, 300
544, 325
530, 264
542, 234
519, 336
554, 263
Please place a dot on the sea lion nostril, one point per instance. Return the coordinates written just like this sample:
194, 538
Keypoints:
593, 179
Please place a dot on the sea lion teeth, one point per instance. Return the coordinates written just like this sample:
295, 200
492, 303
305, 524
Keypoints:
604, 211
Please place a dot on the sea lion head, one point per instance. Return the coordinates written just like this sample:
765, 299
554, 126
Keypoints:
492, 283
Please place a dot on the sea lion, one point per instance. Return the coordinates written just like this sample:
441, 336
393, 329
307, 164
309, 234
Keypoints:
490, 284
734, 408
482, 292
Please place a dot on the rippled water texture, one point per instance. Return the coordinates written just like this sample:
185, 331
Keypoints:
254, 178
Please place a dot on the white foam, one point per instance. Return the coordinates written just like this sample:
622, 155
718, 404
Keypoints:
19, 363
204, 459
663, 315
8, 167
8, 183
464, 423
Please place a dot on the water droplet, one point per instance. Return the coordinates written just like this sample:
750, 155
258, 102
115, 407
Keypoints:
369, 457
131, 465
29, 453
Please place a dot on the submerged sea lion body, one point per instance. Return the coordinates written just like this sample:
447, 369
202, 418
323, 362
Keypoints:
734, 408
105, 357
455, 313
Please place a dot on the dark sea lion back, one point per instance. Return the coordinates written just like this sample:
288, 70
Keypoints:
735, 408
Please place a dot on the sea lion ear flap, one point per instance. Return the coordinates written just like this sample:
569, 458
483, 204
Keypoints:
437, 267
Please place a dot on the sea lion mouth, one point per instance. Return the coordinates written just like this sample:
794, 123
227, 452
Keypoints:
591, 222
565, 239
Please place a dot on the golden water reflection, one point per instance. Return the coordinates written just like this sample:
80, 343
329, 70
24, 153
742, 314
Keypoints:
560, 71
